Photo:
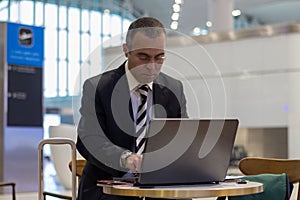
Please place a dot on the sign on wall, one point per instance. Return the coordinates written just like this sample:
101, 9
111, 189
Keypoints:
25, 53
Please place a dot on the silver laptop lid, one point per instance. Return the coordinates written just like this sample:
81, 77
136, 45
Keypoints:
187, 151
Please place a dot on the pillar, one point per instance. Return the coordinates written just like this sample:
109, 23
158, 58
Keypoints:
220, 14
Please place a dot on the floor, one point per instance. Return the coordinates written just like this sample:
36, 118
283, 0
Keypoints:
53, 185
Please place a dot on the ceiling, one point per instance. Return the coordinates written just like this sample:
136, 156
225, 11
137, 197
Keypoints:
195, 12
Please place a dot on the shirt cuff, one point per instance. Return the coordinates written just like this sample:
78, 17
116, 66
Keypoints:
123, 158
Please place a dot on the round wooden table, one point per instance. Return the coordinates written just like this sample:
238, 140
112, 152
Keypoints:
186, 191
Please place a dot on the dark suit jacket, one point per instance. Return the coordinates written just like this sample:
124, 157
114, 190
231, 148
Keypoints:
106, 126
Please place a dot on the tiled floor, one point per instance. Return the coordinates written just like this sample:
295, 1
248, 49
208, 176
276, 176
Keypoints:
51, 185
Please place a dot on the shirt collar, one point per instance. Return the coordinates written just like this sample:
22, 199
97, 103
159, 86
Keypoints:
132, 82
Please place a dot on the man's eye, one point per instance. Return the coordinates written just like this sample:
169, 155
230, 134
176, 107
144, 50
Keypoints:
142, 57
160, 57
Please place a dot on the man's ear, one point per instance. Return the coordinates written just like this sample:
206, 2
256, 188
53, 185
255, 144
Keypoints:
125, 50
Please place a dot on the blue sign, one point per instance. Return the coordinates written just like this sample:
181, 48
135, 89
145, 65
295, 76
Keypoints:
25, 45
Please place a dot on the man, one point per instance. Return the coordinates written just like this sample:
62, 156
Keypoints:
113, 106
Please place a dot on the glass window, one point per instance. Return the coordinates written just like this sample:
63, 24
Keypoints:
85, 46
3, 5
74, 19
50, 49
126, 24
63, 17
62, 71
71, 35
14, 12
74, 75
106, 24
74, 48
116, 27
26, 12
50, 77
95, 30
85, 20
3, 10
95, 23
63, 40
39, 13
95, 42
51, 16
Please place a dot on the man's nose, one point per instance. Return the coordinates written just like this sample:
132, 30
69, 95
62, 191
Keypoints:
151, 65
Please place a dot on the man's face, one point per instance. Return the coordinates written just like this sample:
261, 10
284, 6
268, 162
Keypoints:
146, 56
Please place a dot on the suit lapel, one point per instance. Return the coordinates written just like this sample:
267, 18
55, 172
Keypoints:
121, 105
160, 97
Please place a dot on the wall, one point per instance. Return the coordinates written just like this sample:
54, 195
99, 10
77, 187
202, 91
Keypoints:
265, 142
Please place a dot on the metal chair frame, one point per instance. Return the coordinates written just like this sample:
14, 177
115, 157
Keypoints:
13, 187
56, 141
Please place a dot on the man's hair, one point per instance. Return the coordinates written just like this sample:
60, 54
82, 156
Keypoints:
149, 26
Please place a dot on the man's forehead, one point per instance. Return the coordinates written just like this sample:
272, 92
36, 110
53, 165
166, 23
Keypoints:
142, 41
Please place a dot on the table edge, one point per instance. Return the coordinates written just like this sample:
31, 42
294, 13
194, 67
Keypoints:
183, 193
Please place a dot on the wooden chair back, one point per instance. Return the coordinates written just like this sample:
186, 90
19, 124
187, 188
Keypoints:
255, 166
80, 163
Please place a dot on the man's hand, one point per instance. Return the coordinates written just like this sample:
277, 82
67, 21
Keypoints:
133, 163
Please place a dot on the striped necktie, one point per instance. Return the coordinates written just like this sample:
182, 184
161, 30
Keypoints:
141, 120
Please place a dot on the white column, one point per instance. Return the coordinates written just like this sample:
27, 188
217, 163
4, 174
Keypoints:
293, 62
220, 15
294, 116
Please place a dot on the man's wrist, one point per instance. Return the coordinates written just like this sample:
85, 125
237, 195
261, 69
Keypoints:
124, 156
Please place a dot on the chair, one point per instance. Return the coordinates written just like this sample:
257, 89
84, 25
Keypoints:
12, 184
255, 166
55, 141
61, 154
80, 163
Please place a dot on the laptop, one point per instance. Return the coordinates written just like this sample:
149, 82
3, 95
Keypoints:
187, 151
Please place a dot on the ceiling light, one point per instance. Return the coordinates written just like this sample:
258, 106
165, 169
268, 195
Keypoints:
174, 25
197, 30
209, 24
106, 11
176, 8
175, 16
178, 1
236, 13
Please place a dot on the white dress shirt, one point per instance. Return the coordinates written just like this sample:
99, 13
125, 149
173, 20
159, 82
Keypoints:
135, 97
